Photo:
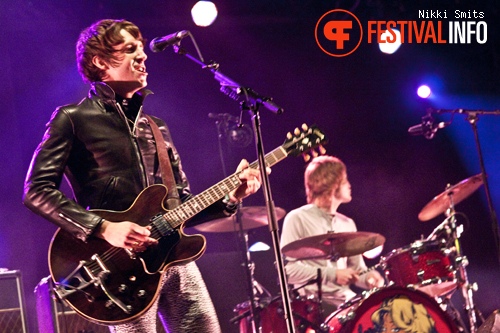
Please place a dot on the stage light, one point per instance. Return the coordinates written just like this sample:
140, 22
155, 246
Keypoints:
204, 13
390, 46
424, 91
373, 253
259, 246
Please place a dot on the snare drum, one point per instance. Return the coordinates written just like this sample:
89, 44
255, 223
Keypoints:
306, 316
424, 265
391, 309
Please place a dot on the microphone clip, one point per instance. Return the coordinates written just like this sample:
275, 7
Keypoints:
428, 128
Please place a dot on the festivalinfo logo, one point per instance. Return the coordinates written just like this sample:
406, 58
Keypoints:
339, 32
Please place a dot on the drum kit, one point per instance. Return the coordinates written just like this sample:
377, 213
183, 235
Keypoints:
420, 277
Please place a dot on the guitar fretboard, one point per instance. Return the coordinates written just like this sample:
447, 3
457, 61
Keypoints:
196, 204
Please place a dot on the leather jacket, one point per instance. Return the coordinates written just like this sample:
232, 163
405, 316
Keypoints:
106, 161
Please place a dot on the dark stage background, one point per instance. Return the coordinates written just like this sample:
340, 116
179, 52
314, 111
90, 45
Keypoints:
364, 102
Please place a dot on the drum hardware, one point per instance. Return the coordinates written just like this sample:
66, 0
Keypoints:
317, 280
306, 314
370, 313
255, 288
350, 315
445, 203
452, 196
244, 311
465, 286
246, 218
354, 300
305, 311
447, 306
427, 265
251, 217
332, 246
428, 270
344, 318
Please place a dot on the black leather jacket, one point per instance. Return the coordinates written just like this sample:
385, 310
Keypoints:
106, 161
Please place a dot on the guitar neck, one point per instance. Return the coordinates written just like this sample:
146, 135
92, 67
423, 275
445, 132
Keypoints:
196, 204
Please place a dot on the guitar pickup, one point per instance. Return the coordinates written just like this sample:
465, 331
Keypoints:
162, 225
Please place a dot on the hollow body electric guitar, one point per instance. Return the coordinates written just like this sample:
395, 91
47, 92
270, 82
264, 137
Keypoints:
110, 285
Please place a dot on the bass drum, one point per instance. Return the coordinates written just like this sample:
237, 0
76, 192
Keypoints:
392, 309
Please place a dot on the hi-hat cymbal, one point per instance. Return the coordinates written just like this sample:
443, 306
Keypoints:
251, 217
333, 245
457, 192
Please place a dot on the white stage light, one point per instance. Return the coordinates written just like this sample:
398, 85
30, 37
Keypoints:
424, 91
387, 47
204, 13
373, 253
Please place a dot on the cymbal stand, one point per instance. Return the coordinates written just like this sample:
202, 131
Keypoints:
472, 118
461, 261
255, 289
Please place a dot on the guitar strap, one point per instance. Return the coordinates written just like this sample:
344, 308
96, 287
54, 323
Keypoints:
167, 174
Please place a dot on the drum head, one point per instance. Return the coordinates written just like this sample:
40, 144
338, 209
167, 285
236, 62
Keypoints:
393, 309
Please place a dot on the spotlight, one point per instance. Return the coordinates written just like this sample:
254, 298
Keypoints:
392, 43
373, 253
204, 13
259, 246
424, 91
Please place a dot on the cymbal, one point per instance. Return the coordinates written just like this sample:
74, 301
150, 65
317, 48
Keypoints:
251, 217
440, 203
333, 245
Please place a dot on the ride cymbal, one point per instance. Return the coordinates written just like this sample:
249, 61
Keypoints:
333, 245
458, 192
251, 217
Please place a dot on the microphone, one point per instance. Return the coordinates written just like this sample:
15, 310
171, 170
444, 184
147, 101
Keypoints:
224, 117
159, 44
427, 128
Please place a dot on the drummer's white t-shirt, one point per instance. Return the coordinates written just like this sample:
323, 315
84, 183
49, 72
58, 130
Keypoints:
308, 221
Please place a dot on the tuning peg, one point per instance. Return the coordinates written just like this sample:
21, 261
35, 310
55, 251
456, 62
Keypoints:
305, 127
322, 150
314, 153
289, 135
296, 131
306, 157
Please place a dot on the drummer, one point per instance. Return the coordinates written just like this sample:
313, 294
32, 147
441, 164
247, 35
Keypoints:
327, 187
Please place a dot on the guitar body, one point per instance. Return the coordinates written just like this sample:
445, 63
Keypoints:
110, 285
133, 279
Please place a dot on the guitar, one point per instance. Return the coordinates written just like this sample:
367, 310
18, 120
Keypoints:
110, 285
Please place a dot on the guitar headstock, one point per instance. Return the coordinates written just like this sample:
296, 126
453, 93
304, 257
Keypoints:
307, 141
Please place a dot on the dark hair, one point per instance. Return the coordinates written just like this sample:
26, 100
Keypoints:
99, 40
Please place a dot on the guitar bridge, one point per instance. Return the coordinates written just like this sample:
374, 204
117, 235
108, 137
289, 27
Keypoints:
74, 282
96, 273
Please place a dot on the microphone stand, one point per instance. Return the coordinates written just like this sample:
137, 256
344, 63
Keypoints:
472, 118
271, 215
243, 237
251, 102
